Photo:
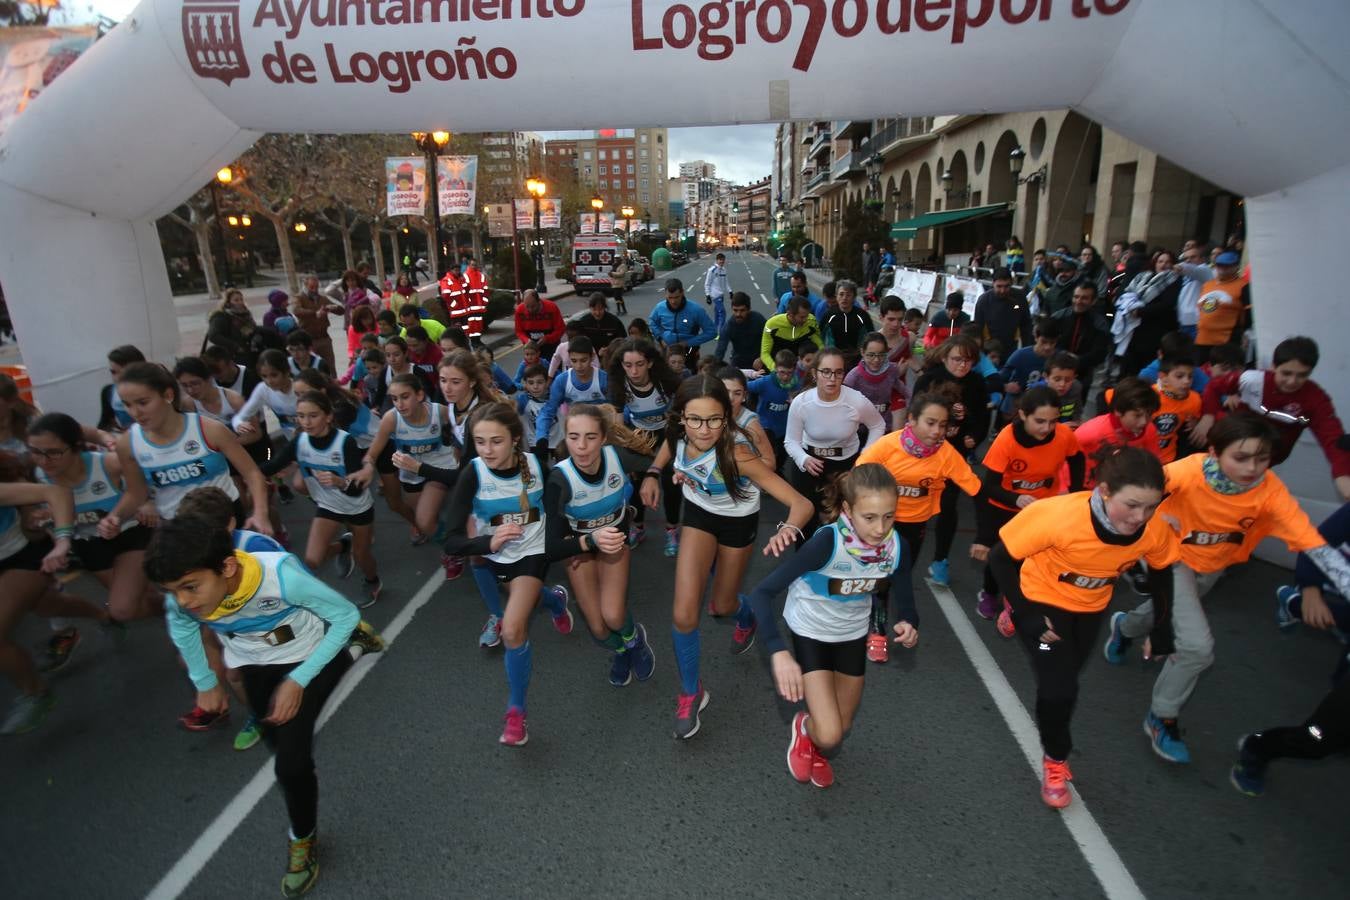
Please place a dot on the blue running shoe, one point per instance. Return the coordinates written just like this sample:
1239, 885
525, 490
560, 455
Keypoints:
1117, 644
939, 573
620, 668
643, 657
1248, 774
1284, 595
1165, 737
672, 542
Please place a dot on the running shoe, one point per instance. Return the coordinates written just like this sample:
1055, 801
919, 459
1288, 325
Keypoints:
514, 731
303, 869
27, 713
620, 668
743, 638
878, 648
687, 708
373, 591
801, 753
1138, 579
822, 773
637, 533
491, 635
453, 565
939, 573
1005, 624
672, 541
1285, 594
345, 561
249, 735
641, 654
987, 606
1055, 783
284, 493
562, 621
416, 537
201, 720
1165, 736
60, 646
1117, 645
1248, 774
367, 638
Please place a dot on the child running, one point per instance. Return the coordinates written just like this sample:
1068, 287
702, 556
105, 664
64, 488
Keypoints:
502, 489
641, 384
286, 631
746, 419
1057, 562
880, 380
830, 583
922, 464
586, 500
721, 482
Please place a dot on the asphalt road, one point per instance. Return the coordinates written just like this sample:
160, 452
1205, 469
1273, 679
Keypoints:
934, 796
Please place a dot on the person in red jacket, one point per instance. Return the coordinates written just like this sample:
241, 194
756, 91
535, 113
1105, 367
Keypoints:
455, 295
1289, 398
540, 321
1129, 423
475, 284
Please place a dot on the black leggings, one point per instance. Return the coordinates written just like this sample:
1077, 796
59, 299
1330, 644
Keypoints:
992, 518
672, 497
1056, 665
293, 742
812, 487
946, 521
1325, 732
911, 537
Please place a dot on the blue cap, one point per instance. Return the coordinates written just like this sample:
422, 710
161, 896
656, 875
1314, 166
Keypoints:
1228, 258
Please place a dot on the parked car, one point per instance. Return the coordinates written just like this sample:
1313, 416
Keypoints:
635, 271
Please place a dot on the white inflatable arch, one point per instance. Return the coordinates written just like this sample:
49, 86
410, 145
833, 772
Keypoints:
1250, 94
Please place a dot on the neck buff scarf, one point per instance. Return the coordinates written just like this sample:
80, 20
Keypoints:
915, 447
1220, 482
859, 549
1098, 505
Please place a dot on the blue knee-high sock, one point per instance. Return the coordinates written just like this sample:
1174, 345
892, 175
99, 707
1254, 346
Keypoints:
687, 657
519, 662
552, 600
487, 588
745, 616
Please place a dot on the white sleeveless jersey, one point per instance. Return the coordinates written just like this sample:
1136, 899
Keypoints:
458, 424
225, 414
647, 413
425, 442
594, 506
12, 539
594, 392
313, 461
119, 409
706, 488
744, 419
364, 427
497, 502
95, 496
834, 603
175, 468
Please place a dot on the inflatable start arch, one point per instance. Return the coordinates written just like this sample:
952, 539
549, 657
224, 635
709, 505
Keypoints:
1250, 94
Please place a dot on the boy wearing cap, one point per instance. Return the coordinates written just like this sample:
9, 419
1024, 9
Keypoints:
947, 321
1224, 303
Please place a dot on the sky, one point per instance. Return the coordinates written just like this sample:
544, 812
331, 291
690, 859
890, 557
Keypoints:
742, 153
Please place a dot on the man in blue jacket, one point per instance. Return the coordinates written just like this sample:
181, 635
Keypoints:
674, 321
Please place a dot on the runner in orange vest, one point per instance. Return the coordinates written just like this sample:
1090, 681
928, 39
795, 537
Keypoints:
476, 284
456, 299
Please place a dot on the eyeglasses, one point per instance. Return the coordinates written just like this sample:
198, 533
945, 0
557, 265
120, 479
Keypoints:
829, 373
48, 454
879, 355
960, 361
698, 422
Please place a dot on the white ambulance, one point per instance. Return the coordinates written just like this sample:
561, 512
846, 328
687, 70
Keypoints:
593, 255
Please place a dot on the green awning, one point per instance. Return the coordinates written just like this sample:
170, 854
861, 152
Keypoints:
910, 228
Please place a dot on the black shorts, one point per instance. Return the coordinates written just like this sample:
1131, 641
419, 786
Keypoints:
410, 488
730, 531
384, 463
844, 657
530, 567
29, 559
98, 555
361, 518
259, 451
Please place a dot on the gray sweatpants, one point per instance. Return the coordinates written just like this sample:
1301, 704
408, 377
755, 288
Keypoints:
1194, 642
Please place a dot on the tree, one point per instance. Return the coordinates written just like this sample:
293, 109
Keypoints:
861, 223
283, 174
199, 220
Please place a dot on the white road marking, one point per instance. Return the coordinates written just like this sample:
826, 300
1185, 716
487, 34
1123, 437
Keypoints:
1101, 857
179, 878
765, 299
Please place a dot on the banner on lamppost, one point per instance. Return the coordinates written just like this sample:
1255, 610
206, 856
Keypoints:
586, 223
550, 213
606, 223
405, 185
499, 220
457, 180
524, 214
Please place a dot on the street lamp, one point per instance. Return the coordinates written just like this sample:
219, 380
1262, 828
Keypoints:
627, 213
954, 195
537, 188
873, 166
431, 143
1017, 158
597, 204
223, 176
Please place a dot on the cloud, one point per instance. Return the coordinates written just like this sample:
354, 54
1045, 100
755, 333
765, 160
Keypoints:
742, 153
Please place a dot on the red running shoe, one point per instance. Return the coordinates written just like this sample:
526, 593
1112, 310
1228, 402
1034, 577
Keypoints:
201, 720
878, 650
1055, 783
822, 773
801, 753
453, 565
1005, 622
514, 732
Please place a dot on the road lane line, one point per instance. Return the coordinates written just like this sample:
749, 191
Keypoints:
179, 878
1101, 857
765, 299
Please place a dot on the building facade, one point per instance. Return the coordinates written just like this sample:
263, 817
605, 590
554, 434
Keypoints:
625, 167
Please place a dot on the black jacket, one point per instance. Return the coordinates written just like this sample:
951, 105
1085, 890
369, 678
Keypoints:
1085, 335
974, 422
603, 330
1006, 320
744, 339
846, 330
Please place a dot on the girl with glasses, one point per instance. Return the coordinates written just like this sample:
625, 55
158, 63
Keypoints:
880, 381
721, 482
822, 432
